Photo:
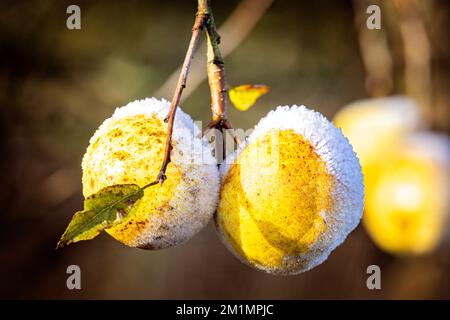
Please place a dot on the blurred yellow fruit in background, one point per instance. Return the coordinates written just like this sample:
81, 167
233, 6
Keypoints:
292, 195
407, 202
374, 126
405, 173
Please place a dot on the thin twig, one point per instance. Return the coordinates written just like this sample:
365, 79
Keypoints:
200, 19
216, 78
375, 53
150, 184
235, 30
216, 72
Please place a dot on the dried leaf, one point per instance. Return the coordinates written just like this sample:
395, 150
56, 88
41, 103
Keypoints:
245, 96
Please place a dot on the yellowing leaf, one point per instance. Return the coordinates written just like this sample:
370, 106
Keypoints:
102, 210
245, 96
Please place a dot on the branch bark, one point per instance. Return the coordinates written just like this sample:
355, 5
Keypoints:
375, 53
417, 54
200, 18
235, 29
216, 78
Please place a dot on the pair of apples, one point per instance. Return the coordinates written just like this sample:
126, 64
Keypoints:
281, 203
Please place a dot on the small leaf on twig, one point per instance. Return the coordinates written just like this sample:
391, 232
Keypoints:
245, 96
102, 210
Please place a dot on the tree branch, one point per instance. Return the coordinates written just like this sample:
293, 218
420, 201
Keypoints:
235, 29
417, 54
375, 53
216, 78
200, 19
216, 71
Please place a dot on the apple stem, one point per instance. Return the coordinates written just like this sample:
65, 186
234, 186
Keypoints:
216, 79
200, 18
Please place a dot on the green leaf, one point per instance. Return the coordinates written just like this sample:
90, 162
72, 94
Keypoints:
102, 210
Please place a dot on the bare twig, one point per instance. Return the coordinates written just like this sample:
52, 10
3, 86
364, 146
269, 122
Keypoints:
216, 72
150, 184
216, 78
375, 53
235, 30
200, 19
417, 53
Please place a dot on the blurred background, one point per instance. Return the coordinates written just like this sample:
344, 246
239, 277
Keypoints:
58, 85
